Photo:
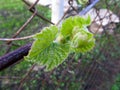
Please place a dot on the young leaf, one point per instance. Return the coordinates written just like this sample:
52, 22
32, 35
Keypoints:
71, 22
83, 2
45, 52
51, 50
82, 41
88, 20
43, 40
67, 27
81, 21
52, 56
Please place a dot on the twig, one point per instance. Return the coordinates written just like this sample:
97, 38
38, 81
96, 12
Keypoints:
14, 39
24, 25
62, 17
25, 77
33, 10
33, 5
70, 2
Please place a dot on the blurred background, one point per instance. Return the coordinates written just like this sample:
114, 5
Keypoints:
98, 69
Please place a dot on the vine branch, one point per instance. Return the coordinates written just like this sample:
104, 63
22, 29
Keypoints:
14, 39
14, 56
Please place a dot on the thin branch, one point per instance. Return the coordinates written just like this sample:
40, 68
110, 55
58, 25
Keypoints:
15, 39
33, 5
24, 25
25, 77
63, 16
33, 10
70, 2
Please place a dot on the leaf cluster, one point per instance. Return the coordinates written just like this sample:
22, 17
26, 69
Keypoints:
53, 45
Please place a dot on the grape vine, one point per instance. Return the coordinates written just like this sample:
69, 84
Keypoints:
53, 44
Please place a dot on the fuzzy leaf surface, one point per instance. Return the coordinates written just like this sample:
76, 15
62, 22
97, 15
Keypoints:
43, 40
52, 56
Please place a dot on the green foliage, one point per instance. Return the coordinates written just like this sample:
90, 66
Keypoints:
72, 22
52, 56
9, 4
83, 2
82, 41
50, 51
116, 85
74, 31
43, 40
13, 14
9, 25
45, 52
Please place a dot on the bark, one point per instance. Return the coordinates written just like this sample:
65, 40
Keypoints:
13, 57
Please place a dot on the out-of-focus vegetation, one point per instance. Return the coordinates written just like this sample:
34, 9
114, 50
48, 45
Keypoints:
13, 14
116, 85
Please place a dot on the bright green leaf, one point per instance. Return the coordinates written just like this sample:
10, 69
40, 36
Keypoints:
115, 87
51, 56
51, 50
71, 22
67, 27
83, 2
88, 21
43, 40
82, 41
81, 21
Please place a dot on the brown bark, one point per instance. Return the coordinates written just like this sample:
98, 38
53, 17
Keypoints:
13, 57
